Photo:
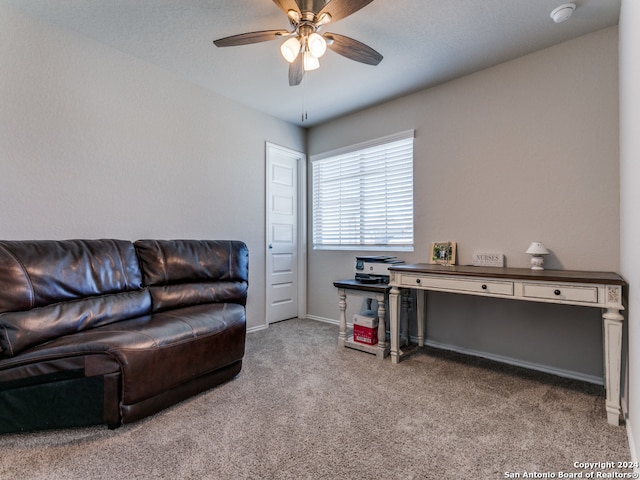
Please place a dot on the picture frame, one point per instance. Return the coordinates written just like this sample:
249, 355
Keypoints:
443, 253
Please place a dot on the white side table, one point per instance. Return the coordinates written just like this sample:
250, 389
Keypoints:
379, 291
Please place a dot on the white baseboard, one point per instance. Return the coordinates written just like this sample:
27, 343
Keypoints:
498, 358
520, 363
323, 319
632, 447
257, 329
309, 317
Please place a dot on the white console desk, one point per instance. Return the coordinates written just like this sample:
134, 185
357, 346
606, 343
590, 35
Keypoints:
591, 289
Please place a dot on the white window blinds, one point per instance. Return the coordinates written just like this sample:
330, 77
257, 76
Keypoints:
363, 196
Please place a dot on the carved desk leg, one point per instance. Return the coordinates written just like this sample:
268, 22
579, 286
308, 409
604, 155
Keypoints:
404, 302
382, 326
612, 319
394, 323
342, 304
421, 314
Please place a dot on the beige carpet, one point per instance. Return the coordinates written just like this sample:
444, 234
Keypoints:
302, 408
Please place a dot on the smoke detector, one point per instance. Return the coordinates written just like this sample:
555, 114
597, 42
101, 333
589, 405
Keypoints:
563, 12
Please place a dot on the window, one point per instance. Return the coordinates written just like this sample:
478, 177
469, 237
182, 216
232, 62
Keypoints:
363, 196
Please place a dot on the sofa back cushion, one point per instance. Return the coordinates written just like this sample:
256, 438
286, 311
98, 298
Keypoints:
182, 273
53, 288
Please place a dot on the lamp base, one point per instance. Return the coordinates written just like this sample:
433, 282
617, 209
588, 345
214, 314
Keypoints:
537, 262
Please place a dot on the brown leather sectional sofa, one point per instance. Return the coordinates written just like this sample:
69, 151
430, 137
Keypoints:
110, 331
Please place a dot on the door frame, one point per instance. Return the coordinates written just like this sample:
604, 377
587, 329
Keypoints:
301, 230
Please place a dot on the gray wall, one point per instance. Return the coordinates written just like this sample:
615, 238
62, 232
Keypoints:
527, 150
99, 144
629, 201
95, 143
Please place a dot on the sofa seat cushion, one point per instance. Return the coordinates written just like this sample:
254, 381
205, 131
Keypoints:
155, 352
188, 355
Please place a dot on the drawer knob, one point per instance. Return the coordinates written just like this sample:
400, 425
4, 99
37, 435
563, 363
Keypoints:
417, 280
557, 292
484, 286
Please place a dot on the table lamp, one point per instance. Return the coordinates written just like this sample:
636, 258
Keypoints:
537, 250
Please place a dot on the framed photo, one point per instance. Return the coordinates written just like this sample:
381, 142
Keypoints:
443, 253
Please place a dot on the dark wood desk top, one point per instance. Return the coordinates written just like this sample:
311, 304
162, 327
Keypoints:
573, 276
366, 287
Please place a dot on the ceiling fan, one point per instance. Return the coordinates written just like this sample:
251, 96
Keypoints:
304, 45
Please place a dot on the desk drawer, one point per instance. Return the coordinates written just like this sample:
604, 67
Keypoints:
561, 293
467, 285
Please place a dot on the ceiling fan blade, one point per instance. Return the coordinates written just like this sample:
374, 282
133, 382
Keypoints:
296, 71
251, 37
352, 49
286, 5
339, 9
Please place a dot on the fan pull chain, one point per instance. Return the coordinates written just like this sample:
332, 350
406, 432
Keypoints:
304, 98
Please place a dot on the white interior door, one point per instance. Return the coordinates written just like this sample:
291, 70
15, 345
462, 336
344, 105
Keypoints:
283, 233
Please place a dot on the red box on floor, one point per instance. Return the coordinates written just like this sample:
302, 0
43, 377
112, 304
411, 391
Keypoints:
365, 335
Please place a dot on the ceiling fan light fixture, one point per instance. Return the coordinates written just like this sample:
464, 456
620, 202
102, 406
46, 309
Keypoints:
303, 45
290, 49
310, 62
317, 45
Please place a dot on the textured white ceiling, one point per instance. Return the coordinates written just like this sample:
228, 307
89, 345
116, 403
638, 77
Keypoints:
424, 43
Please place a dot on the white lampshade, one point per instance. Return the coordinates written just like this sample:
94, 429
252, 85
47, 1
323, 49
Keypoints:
537, 248
317, 45
310, 62
290, 49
